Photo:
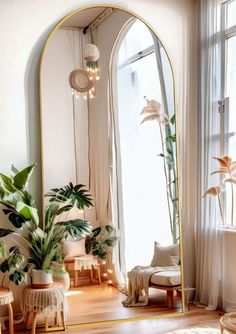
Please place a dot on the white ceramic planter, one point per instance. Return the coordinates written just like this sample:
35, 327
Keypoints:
41, 279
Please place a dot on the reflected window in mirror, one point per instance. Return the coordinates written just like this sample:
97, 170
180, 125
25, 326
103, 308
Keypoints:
142, 178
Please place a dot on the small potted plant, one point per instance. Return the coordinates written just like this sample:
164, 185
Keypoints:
41, 239
101, 241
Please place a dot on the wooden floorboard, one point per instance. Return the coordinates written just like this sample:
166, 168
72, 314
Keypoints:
103, 303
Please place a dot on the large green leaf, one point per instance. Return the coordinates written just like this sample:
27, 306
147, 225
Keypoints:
6, 183
76, 228
111, 241
78, 195
109, 228
4, 266
64, 208
96, 232
18, 277
21, 179
27, 198
16, 219
28, 212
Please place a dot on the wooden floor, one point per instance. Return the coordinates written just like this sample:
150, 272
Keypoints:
103, 303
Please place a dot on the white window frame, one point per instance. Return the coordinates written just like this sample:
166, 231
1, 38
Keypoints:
224, 103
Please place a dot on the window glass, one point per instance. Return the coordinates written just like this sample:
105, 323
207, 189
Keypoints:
143, 179
231, 93
231, 14
138, 39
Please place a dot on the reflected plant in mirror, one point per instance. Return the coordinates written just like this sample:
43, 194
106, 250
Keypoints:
101, 241
154, 112
130, 169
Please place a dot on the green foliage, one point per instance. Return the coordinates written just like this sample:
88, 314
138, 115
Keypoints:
43, 244
173, 120
100, 241
77, 195
92, 64
12, 262
171, 138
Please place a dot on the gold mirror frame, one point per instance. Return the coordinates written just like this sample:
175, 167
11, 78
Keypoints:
57, 26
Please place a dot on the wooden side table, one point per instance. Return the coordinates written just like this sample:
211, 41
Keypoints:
6, 298
48, 301
228, 323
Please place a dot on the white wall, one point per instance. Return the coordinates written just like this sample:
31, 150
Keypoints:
24, 26
61, 112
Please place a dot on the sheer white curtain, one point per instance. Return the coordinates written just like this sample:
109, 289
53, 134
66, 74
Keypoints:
208, 233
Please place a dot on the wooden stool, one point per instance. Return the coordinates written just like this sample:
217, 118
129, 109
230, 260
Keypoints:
49, 301
6, 298
87, 262
228, 323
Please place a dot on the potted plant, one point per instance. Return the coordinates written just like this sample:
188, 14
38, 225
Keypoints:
41, 239
101, 241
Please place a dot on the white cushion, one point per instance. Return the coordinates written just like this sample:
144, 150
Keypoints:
166, 278
74, 248
165, 256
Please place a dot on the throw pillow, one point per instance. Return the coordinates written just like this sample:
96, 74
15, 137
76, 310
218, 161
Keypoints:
165, 256
74, 248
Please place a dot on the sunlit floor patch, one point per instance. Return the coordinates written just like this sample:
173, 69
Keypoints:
205, 330
74, 293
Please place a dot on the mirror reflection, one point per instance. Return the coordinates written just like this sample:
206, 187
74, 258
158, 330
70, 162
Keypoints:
109, 148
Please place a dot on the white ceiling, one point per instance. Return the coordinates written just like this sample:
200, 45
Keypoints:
84, 18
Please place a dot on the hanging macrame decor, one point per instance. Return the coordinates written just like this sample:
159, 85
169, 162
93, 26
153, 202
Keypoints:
91, 56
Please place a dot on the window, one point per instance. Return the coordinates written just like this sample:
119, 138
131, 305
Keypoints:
143, 179
229, 9
230, 76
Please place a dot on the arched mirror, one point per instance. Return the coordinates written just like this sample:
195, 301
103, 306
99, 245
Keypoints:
108, 125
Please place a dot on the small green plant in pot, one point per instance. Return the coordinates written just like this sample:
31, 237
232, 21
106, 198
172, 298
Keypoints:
100, 242
41, 239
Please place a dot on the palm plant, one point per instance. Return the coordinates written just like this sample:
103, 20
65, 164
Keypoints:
42, 243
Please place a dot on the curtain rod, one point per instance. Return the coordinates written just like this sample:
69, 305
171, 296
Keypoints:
99, 20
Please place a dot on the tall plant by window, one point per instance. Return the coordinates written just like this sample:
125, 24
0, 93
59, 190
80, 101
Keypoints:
168, 139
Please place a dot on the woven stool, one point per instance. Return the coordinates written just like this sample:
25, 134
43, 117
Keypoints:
228, 323
6, 298
48, 301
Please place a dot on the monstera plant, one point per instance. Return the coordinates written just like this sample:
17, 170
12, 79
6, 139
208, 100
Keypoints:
40, 239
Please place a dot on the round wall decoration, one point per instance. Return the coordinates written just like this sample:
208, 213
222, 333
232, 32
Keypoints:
81, 81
